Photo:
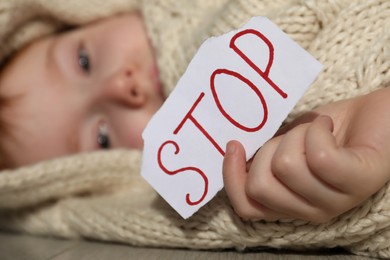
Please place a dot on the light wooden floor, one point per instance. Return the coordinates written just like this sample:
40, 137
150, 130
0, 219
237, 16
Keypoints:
23, 247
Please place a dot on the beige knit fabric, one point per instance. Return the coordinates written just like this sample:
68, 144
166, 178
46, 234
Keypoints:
101, 195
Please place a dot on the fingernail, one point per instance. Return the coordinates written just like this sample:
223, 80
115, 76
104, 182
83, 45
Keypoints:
231, 148
328, 121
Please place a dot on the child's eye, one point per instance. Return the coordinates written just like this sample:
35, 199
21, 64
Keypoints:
103, 139
83, 59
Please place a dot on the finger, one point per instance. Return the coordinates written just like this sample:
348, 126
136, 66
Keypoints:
266, 189
235, 177
334, 164
289, 166
343, 167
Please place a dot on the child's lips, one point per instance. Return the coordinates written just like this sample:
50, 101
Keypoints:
159, 88
155, 76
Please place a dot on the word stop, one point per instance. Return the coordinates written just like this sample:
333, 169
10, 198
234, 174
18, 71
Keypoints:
240, 86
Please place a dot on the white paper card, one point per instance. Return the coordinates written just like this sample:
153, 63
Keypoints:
240, 86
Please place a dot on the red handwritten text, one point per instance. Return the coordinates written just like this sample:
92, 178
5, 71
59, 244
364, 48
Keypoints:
225, 72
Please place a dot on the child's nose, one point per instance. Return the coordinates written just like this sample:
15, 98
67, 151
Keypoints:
124, 87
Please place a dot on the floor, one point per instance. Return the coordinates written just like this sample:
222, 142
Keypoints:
24, 247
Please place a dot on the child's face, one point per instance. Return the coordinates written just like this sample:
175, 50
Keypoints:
91, 88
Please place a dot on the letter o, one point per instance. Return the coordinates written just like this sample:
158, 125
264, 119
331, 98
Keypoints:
252, 86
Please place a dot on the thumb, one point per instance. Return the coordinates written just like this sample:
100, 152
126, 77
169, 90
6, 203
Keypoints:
234, 166
234, 173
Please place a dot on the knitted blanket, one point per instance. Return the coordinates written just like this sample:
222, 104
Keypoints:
101, 195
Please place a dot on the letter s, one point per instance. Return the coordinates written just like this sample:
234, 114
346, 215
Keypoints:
206, 182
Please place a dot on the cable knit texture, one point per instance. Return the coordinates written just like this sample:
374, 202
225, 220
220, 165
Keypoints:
101, 195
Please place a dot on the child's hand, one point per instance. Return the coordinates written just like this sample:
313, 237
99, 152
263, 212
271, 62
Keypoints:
318, 169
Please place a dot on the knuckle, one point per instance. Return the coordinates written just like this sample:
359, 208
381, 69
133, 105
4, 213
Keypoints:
282, 165
244, 212
321, 216
258, 191
320, 219
319, 159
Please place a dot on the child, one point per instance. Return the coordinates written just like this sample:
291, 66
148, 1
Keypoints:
100, 81
83, 90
